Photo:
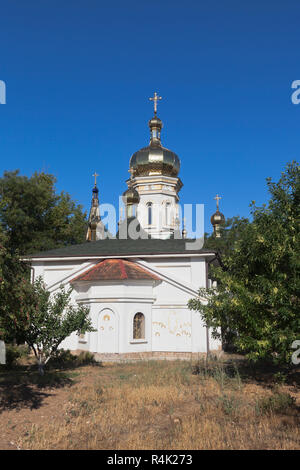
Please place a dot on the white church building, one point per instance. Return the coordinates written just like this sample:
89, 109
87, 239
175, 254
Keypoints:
137, 284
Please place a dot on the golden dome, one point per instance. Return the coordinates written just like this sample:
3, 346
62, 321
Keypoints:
217, 218
131, 196
154, 159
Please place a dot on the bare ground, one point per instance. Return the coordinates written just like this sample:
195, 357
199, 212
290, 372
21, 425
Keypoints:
150, 405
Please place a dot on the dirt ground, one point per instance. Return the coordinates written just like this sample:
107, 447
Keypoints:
30, 405
150, 405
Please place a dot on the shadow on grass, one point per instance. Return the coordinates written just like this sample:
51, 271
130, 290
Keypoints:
20, 396
21, 388
21, 385
264, 373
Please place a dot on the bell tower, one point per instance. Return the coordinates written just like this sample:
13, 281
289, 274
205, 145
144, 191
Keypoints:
96, 229
154, 171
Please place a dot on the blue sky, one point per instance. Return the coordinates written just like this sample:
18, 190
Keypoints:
79, 75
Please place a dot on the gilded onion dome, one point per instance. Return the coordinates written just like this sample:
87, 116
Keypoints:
154, 159
217, 218
131, 196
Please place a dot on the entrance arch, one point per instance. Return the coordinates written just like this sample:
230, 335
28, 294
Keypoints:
108, 332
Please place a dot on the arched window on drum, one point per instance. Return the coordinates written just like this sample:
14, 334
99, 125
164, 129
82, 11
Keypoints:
167, 213
149, 213
139, 326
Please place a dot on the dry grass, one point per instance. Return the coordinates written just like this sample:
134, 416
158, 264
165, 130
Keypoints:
166, 405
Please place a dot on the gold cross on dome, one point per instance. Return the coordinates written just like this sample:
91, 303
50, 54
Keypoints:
95, 176
131, 171
217, 198
155, 99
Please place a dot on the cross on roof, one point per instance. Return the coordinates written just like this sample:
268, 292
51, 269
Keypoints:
95, 176
217, 198
131, 171
155, 99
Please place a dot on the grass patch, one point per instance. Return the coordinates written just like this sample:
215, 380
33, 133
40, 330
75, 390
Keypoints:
225, 374
229, 404
279, 402
167, 405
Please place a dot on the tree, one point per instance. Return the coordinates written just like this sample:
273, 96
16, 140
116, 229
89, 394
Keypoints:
44, 320
2, 252
16, 295
257, 291
230, 234
34, 218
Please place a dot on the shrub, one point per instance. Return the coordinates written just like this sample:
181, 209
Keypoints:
224, 374
14, 353
229, 404
64, 359
279, 402
280, 378
84, 358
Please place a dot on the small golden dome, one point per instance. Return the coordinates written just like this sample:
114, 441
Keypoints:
217, 218
155, 122
131, 196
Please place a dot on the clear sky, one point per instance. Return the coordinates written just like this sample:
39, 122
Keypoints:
79, 74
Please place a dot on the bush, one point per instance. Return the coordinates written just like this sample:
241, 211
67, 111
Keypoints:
279, 402
65, 359
85, 358
229, 404
14, 353
280, 378
62, 358
223, 373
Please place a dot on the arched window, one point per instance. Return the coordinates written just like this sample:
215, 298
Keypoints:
149, 209
167, 213
139, 326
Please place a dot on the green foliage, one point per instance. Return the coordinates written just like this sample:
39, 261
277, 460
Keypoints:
85, 358
52, 320
225, 374
34, 218
17, 298
3, 251
279, 378
257, 293
229, 404
63, 358
14, 353
231, 232
43, 320
278, 402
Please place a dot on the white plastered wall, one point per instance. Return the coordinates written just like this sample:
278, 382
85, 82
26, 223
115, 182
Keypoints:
169, 324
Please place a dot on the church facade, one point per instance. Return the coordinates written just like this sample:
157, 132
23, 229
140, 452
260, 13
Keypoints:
137, 283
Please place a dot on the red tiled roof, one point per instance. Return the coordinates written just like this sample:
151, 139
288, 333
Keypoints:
115, 270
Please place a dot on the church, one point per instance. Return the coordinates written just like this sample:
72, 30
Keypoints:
137, 283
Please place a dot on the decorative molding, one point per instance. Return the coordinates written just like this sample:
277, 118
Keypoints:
169, 306
138, 341
117, 299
